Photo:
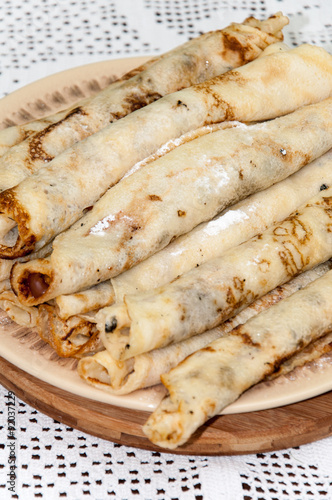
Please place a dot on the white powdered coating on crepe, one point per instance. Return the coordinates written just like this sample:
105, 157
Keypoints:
217, 290
197, 60
212, 378
208, 240
234, 226
170, 196
262, 89
122, 377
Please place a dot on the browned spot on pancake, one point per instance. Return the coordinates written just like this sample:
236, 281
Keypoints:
181, 213
11, 207
264, 265
328, 201
232, 44
154, 197
214, 98
36, 151
230, 76
230, 297
139, 98
248, 340
139, 69
289, 155
279, 231
184, 312
245, 336
274, 366
288, 261
208, 348
301, 232
238, 283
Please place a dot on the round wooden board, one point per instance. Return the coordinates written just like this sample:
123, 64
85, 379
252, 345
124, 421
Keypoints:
254, 432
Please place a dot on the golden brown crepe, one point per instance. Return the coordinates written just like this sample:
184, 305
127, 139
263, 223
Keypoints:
215, 376
199, 59
172, 195
232, 227
262, 89
208, 240
73, 337
22, 315
208, 295
122, 377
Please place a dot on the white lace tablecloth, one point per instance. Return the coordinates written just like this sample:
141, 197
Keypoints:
41, 37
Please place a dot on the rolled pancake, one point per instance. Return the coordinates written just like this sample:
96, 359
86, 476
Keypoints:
209, 240
232, 227
237, 224
85, 301
213, 377
197, 60
22, 315
73, 337
169, 197
262, 89
6, 264
122, 377
217, 290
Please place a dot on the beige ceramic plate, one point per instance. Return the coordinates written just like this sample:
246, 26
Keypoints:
25, 350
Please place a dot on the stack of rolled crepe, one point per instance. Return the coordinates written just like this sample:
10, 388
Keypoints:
152, 234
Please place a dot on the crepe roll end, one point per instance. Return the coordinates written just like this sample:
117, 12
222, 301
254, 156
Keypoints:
23, 316
93, 372
73, 338
16, 238
165, 427
105, 373
32, 281
113, 324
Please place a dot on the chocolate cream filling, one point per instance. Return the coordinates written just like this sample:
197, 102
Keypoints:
37, 285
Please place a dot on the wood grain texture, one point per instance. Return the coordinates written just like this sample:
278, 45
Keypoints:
254, 432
